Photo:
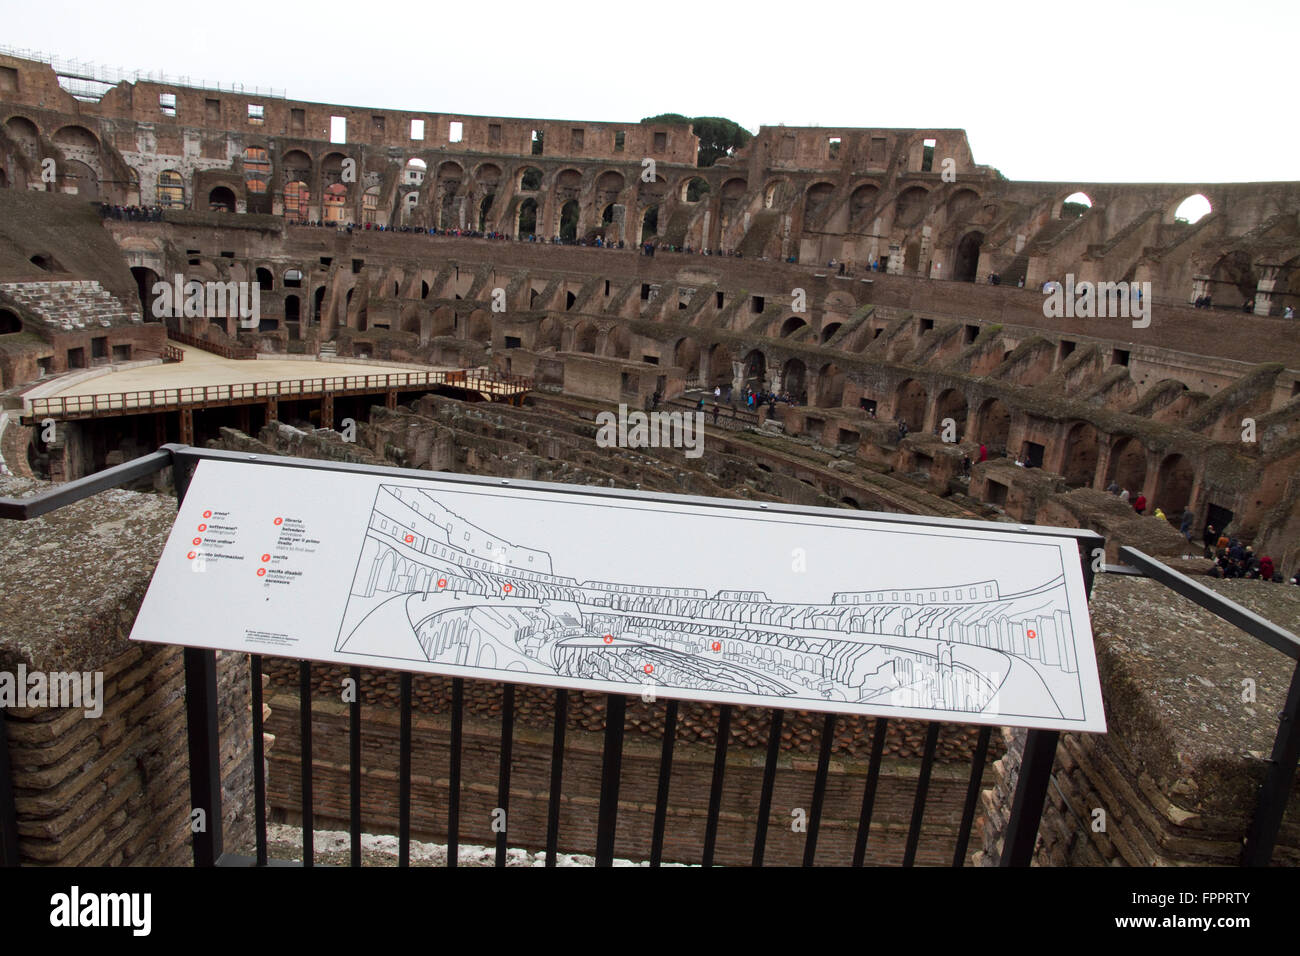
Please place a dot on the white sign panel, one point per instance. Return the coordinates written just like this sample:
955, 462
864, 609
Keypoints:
690, 601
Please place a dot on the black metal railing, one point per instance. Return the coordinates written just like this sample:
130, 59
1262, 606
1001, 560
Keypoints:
1026, 811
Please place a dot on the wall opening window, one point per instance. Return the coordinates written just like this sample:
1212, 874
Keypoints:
833, 147
338, 129
417, 129
538, 142
167, 103
618, 141
455, 130
256, 114
927, 155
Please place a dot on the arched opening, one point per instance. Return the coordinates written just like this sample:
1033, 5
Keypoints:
1173, 485
794, 377
863, 199
25, 136
1074, 206
317, 302
413, 172
650, 224
1082, 449
694, 189
686, 356
829, 330
967, 260
815, 200
830, 387
221, 199
291, 308
79, 179
9, 323
530, 179
1128, 465
297, 197
910, 206
171, 190
993, 426
144, 283
720, 362
584, 338
335, 199
910, 399
446, 191
370, 205
1191, 210
792, 325
569, 220
1234, 272
527, 218
265, 281
951, 404
484, 207
962, 202
755, 369
257, 179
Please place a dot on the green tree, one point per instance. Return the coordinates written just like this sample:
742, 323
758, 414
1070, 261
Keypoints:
719, 136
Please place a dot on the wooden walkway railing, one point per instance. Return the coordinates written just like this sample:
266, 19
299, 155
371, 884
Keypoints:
490, 384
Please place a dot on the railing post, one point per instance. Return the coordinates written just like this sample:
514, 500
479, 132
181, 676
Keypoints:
205, 753
1031, 794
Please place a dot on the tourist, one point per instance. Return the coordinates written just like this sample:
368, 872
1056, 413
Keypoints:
1123, 495
1140, 503
717, 392
1288, 313
1209, 537
715, 413
984, 452
1113, 487
1160, 514
1185, 525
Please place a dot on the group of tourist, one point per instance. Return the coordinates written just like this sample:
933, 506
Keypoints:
131, 213
1232, 559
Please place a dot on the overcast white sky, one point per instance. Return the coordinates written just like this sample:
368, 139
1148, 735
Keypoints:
1110, 91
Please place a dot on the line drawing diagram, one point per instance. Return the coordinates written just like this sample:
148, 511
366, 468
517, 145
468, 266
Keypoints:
433, 587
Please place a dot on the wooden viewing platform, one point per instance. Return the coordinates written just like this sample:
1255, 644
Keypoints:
491, 385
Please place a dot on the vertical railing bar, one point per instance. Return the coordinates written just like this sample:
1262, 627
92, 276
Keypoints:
557, 776
715, 788
869, 791
503, 777
665, 776
922, 789
819, 789
204, 751
453, 783
1031, 793
259, 757
304, 736
9, 855
972, 796
404, 771
769, 783
611, 772
354, 765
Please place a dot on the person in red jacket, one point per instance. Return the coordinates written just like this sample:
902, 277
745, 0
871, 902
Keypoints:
1266, 568
1140, 504
984, 452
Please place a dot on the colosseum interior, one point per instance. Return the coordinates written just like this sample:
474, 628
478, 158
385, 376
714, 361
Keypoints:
884, 285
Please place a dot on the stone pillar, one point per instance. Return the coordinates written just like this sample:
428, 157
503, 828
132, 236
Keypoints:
737, 377
1264, 290
1200, 287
